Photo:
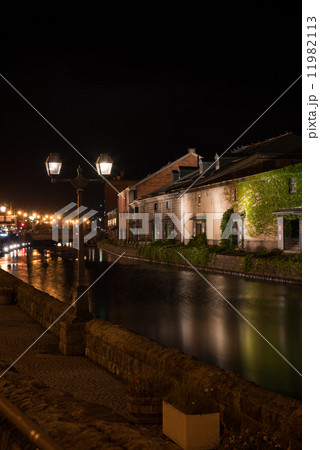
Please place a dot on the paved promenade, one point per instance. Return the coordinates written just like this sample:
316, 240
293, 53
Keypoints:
75, 375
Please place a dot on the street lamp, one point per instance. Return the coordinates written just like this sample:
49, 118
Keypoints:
53, 164
104, 166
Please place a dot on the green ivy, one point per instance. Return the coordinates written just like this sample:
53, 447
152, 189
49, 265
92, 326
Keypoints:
265, 193
225, 219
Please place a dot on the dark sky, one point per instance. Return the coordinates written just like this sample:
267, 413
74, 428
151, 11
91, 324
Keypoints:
142, 88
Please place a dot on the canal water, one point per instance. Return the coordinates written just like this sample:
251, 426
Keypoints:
177, 308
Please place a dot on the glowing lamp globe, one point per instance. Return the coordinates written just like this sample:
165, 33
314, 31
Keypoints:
53, 164
104, 164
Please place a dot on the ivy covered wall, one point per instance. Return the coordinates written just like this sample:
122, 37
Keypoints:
260, 195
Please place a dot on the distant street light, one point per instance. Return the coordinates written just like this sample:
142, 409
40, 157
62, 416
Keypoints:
104, 166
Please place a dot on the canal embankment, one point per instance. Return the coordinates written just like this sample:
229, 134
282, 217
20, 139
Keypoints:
260, 266
243, 405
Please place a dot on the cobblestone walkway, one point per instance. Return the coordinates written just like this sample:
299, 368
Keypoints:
76, 375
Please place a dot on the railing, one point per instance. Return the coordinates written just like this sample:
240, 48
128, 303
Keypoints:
26, 426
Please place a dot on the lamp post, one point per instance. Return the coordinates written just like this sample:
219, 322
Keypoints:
104, 166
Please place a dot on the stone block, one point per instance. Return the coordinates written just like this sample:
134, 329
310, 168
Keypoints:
251, 407
294, 425
231, 419
72, 338
6, 295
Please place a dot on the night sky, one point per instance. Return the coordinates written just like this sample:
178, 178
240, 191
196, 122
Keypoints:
142, 88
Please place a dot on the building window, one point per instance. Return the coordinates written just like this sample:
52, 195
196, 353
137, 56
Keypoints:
136, 209
167, 230
235, 194
155, 206
167, 204
199, 200
292, 186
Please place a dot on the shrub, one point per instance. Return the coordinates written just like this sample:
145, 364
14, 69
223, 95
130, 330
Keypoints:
247, 263
229, 244
160, 251
198, 241
276, 251
295, 258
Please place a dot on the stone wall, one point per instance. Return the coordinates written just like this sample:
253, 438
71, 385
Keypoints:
242, 404
42, 307
39, 305
261, 268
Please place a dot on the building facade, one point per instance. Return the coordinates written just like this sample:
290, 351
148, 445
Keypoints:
252, 184
163, 177
111, 192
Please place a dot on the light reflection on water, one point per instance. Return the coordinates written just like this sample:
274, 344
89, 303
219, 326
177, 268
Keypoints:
177, 308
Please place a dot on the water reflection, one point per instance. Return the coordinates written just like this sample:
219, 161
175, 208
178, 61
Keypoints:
177, 308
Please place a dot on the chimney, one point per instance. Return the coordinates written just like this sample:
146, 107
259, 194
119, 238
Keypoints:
122, 174
191, 150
